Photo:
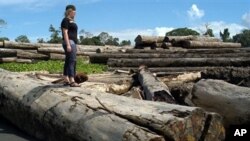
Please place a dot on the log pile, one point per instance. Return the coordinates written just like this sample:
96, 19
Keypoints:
53, 112
32, 52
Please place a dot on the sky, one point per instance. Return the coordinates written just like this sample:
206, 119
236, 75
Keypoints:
124, 19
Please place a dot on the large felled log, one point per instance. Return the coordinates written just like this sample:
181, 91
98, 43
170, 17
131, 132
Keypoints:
202, 44
7, 52
198, 50
177, 38
153, 88
140, 40
1, 44
7, 59
11, 44
180, 62
103, 57
56, 56
29, 55
238, 76
229, 100
59, 113
206, 39
180, 69
27, 61
51, 50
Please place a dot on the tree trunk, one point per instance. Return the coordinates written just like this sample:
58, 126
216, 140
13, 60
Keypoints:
198, 50
140, 40
19, 45
180, 62
206, 39
51, 50
27, 61
29, 55
202, 44
177, 38
181, 69
229, 100
7, 52
153, 88
103, 57
51, 112
56, 56
1, 44
8, 59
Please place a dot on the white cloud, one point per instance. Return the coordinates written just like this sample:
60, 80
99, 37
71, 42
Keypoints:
130, 34
246, 19
195, 13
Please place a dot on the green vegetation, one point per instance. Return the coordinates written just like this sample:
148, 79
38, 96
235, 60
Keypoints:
23, 39
182, 32
53, 66
243, 38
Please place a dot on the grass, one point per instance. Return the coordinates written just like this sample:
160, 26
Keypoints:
54, 66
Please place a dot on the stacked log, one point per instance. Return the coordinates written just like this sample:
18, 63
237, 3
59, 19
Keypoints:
201, 44
49, 113
151, 41
44, 51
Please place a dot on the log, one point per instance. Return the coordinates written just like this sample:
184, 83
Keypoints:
179, 69
102, 58
164, 45
180, 62
51, 112
7, 52
134, 93
177, 38
27, 61
51, 50
56, 56
11, 44
190, 37
229, 100
238, 76
29, 55
8, 59
140, 39
153, 88
1, 44
110, 50
202, 44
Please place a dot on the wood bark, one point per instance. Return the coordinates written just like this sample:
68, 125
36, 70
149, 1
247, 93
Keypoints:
27, 61
109, 50
1, 44
7, 52
202, 44
29, 55
190, 37
229, 100
180, 62
103, 57
51, 112
8, 59
198, 50
153, 88
182, 69
56, 56
140, 40
51, 50
11, 44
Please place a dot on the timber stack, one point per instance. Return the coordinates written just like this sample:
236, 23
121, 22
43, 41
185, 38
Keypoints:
183, 53
32, 52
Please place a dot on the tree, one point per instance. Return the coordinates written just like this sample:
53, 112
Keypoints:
55, 35
22, 38
209, 32
40, 40
225, 36
182, 32
243, 38
125, 43
104, 37
4, 38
